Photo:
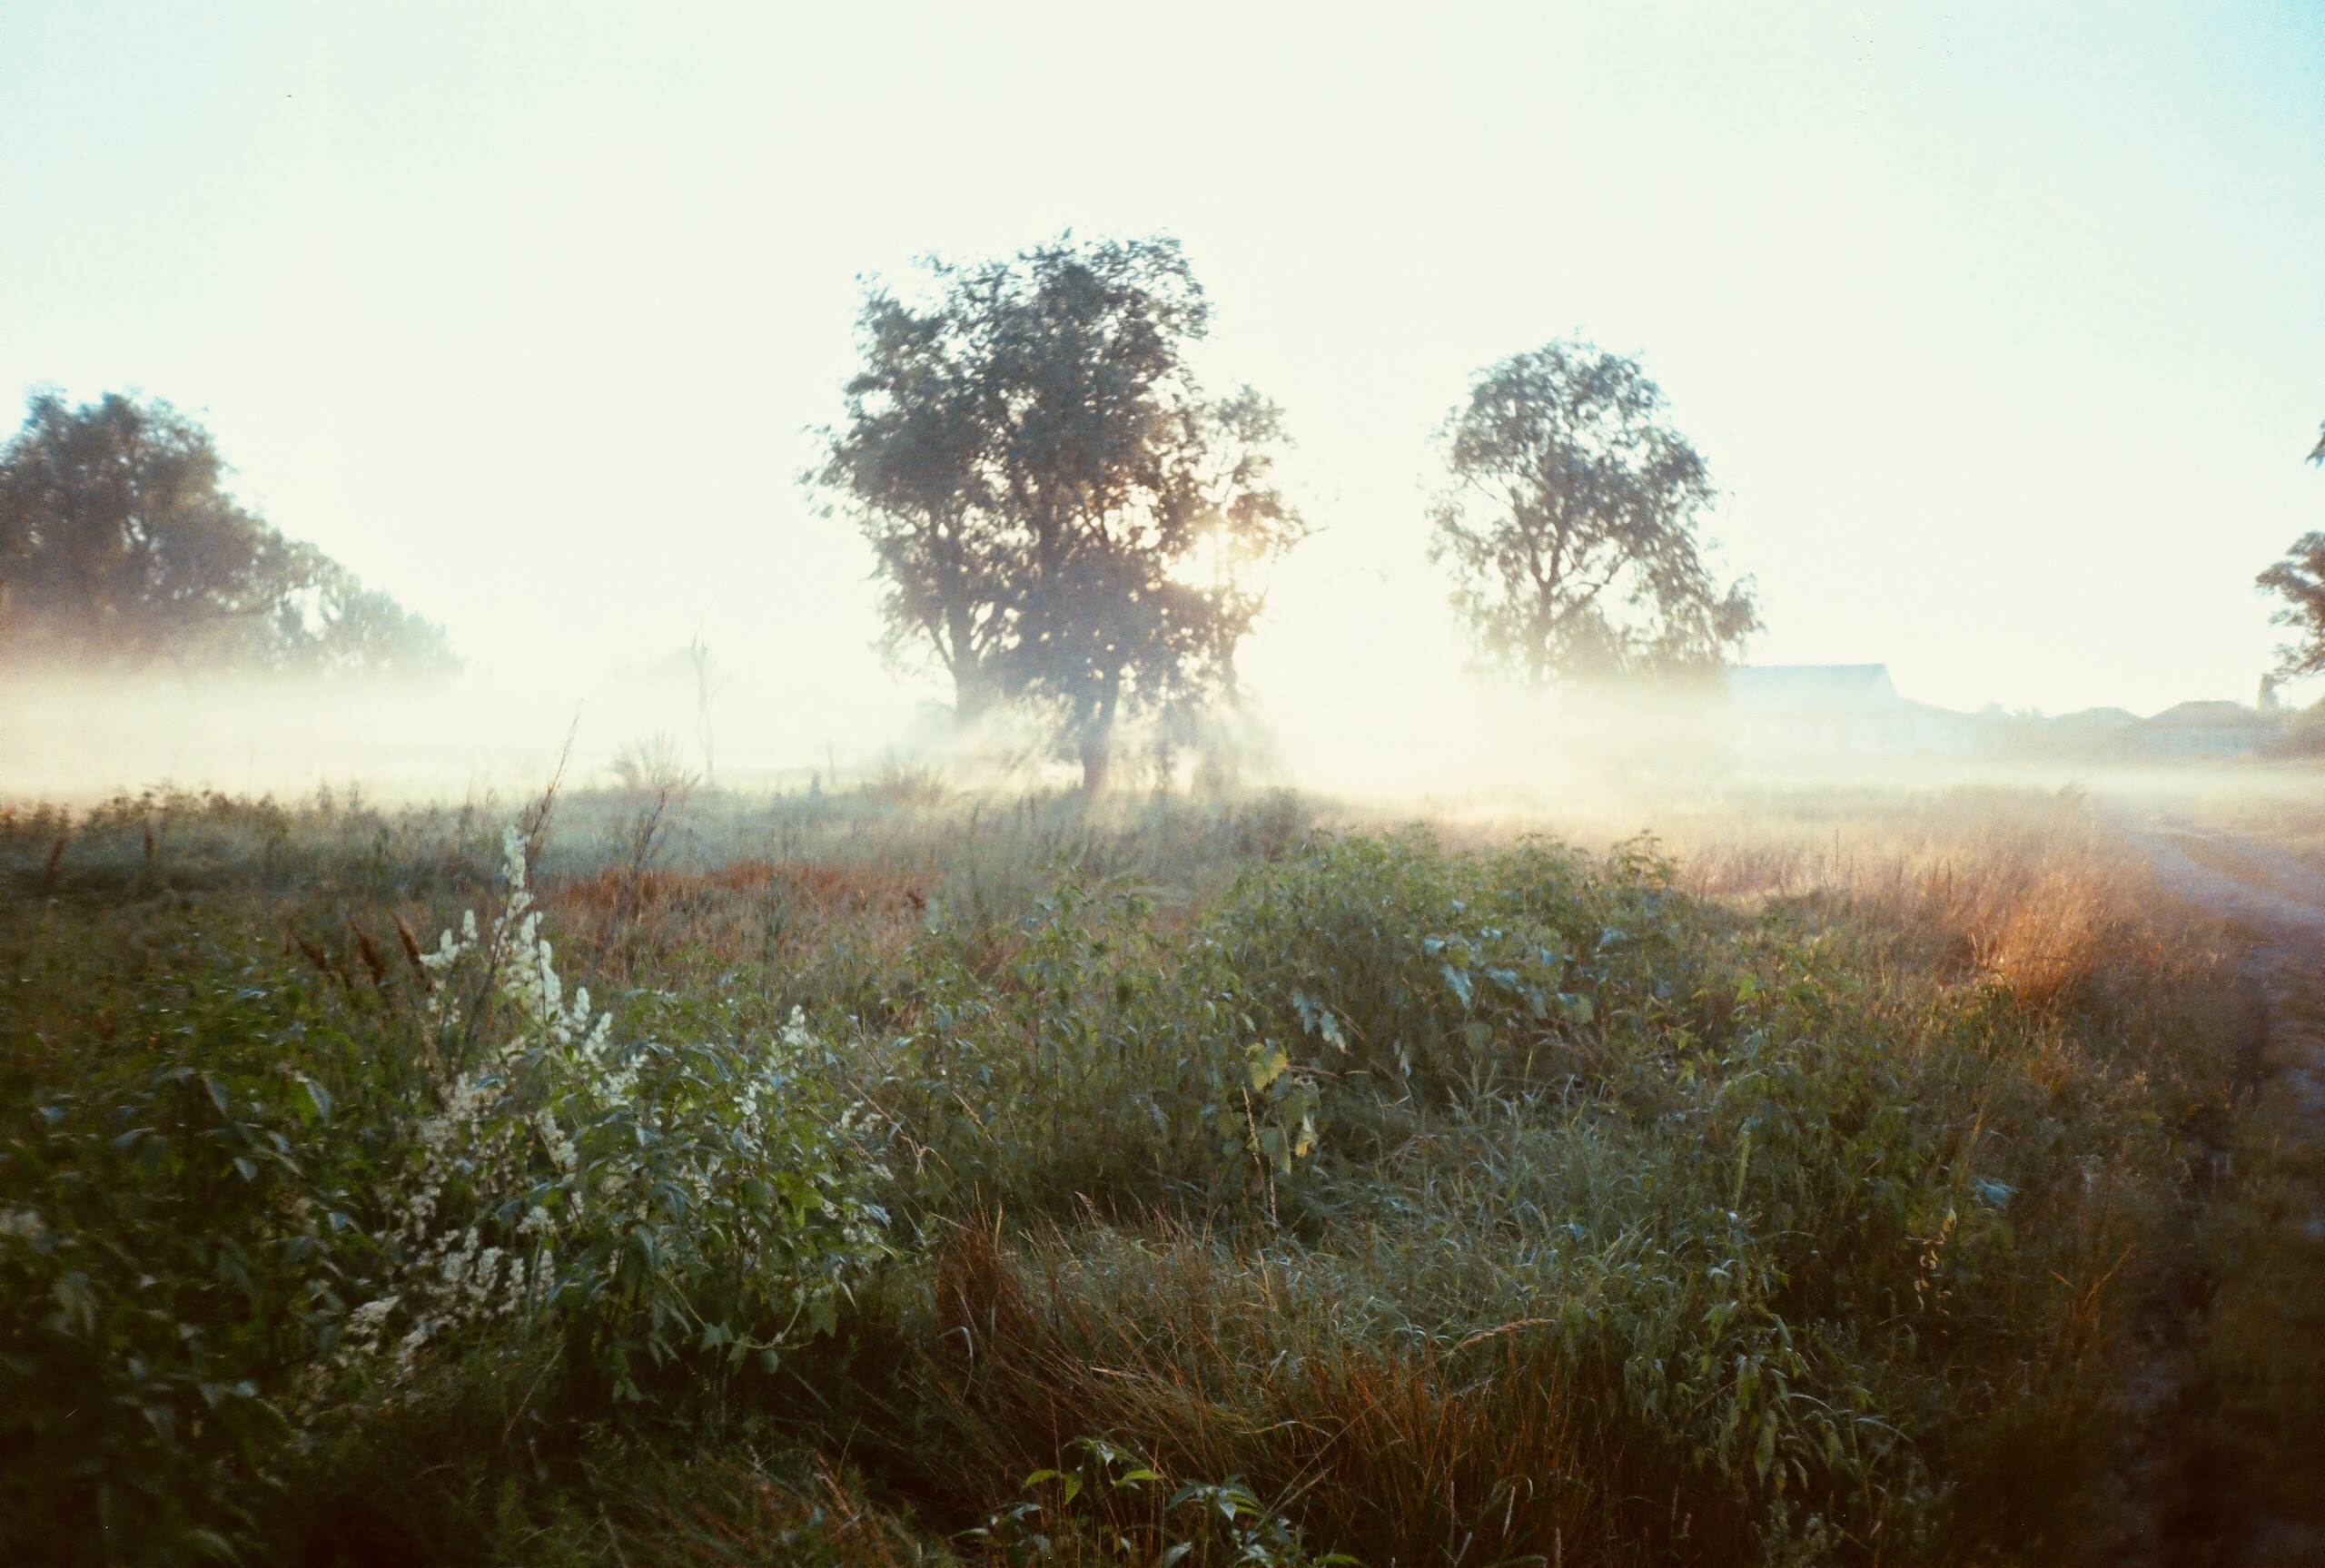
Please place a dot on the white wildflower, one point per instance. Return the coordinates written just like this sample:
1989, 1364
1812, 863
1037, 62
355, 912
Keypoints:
536, 1073
513, 1296
408, 1349
560, 1148
371, 1313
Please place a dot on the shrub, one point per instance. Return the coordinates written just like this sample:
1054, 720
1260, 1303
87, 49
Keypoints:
249, 1204
666, 1203
1467, 1204
1096, 1066
185, 1222
1427, 972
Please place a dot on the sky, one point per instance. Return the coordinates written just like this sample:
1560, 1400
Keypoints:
1998, 327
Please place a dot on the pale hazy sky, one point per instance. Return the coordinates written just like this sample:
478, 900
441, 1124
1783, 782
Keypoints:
2000, 326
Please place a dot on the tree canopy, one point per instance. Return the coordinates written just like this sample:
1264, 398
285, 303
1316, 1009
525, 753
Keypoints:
121, 550
1062, 518
1570, 525
2299, 580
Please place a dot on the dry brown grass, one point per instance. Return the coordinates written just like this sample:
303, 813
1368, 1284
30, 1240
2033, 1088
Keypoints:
1487, 1451
619, 890
1503, 1445
621, 921
2035, 894
2046, 943
1174, 1347
731, 1515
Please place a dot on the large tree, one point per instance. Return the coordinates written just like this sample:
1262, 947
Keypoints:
120, 550
1570, 525
2299, 580
1061, 517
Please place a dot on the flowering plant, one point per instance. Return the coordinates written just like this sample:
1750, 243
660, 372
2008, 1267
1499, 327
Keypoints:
669, 1201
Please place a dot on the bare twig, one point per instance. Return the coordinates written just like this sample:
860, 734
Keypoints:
533, 825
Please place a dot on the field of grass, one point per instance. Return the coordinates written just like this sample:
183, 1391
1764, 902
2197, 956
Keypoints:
931, 1180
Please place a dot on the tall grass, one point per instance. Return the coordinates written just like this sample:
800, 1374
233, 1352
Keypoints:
1792, 1190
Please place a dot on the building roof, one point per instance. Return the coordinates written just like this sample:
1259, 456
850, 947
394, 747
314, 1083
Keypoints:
2208, 716
2096, 719
1822, 689
1812, 683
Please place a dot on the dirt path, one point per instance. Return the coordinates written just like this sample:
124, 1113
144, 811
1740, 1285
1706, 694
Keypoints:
2185, 1489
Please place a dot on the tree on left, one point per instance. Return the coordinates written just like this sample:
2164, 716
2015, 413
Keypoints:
120, 551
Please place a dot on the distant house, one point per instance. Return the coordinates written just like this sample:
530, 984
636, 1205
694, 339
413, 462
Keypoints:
2095, 721
1838, 710
2205, 729
2091, 733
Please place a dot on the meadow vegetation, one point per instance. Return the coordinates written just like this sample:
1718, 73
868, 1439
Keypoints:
929, 1179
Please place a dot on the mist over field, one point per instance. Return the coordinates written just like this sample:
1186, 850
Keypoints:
1980, 319
1015, 787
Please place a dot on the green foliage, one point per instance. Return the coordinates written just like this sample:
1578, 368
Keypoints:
120, 549
164, 842
254, 1201
665, 1202
1766, 1222
1425, 970
187, 1214
1108, 1500
1036, 469
1489, 1204
1571, 526
2299, 578
1106, 1060
1089, 1066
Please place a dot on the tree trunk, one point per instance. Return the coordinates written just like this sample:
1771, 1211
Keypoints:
974, 695
1098, 737
1097, 762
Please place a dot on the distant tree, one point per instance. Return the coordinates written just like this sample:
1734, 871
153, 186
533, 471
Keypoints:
1061, 517
2299, 580
1570, 526
119, 550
